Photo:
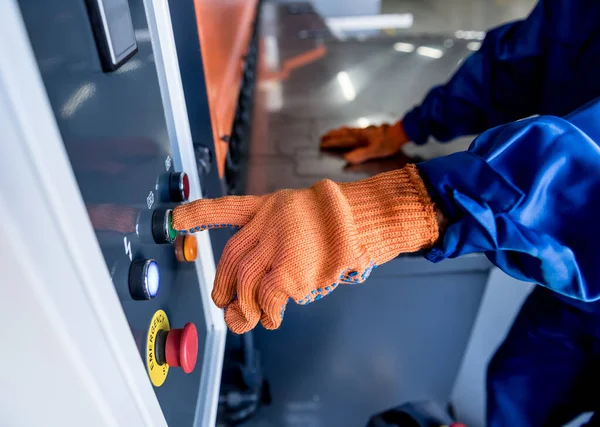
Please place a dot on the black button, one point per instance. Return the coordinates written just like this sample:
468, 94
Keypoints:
144, 279
162, 230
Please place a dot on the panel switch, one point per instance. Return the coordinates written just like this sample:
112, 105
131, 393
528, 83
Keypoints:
178, 347
179, 187
186, 248
144, 279
162, 230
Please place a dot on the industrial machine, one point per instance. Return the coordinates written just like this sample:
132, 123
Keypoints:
107, 309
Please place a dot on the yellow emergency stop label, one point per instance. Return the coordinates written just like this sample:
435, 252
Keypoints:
158, 373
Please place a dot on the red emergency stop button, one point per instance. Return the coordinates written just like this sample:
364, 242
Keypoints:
181, 348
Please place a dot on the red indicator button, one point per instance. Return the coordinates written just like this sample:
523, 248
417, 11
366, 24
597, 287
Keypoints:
181, 348
179, 187
186, 187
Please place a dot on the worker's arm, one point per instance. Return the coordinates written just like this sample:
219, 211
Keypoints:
511, 77
504, 80
526, 194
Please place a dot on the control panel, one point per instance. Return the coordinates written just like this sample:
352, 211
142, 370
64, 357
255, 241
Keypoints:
114, 128
153, 273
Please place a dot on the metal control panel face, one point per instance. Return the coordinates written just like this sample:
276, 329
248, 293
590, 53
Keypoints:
114, 131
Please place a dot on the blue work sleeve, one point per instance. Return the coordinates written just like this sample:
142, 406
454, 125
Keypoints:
507, 78
527, 194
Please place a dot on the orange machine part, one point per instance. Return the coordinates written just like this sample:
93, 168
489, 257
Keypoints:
224, 29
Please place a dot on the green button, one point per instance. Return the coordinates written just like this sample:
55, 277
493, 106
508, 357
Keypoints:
172, 231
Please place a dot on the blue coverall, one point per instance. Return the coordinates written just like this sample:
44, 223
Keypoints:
527, 194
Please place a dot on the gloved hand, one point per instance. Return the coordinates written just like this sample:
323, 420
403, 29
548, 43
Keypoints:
373, 142
302, 244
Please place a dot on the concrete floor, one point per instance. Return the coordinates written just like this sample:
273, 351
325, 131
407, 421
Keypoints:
400, 336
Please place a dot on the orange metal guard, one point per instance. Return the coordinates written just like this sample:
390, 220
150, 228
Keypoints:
224, 29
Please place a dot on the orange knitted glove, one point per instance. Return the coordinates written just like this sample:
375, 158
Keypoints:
373, 142
301, 244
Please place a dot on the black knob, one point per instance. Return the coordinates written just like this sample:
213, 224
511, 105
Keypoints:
179, 187
144, 279
162, 230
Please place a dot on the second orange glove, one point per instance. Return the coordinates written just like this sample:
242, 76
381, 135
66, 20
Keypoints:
302, 244
373, 142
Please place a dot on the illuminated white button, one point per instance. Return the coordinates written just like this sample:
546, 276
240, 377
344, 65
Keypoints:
144, 279
152, 279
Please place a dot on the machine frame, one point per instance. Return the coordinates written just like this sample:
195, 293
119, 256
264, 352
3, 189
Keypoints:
73, 345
